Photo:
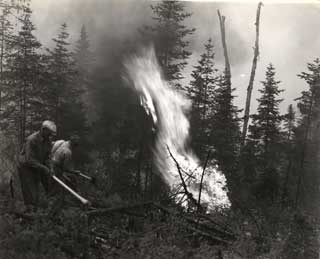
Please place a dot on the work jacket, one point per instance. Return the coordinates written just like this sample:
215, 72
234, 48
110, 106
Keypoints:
36, 152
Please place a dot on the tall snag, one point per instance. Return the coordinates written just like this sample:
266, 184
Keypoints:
252, 75
225, 50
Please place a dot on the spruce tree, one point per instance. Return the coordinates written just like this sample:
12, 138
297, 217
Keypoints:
169, 36
265, 128
84, 60
202, 92
82, 53
63, 94
291, 152
308, 134
24, 66
265, 133
306, 193
225, 131
6, 30
289, 123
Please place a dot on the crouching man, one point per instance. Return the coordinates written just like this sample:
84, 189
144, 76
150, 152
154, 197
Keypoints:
62, 162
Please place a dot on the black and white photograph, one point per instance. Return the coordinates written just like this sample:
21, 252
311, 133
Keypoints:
159, 129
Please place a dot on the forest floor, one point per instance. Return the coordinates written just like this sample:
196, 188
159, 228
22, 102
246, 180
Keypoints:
123, 229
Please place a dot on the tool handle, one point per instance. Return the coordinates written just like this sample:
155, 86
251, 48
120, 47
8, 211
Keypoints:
79, 197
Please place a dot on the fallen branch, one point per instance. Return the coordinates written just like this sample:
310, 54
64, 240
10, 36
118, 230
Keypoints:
205, 227
204, 169
124, 209
189, 194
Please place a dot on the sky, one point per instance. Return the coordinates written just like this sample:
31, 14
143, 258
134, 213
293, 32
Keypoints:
289, 37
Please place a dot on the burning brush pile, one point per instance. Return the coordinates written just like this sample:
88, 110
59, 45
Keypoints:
203, 186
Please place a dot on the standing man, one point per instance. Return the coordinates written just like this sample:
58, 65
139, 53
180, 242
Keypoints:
34, 162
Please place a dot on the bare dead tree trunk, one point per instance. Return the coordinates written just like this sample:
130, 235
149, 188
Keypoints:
1, 63
252, 75
225, 50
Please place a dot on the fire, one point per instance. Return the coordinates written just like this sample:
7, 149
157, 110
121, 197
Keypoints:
173, 159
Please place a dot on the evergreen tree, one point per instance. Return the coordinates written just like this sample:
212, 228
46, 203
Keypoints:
225, 131
289, 123
309, 101
290, 150
63, 95
23, 64
202, 91
308, 134
306, 193
82, 53
5, 37
169, 36
265, 128
84, 60
10, 11
265, 133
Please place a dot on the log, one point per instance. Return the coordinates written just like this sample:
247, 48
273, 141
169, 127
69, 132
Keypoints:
120, 209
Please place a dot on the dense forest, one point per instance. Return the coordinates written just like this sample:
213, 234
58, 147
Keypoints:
180, 170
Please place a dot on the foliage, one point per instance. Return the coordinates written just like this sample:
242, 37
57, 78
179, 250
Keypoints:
21, 106
265, 136
169, 36
225, 132
203, 94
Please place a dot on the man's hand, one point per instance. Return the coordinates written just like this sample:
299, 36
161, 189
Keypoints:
48, 171
51, 172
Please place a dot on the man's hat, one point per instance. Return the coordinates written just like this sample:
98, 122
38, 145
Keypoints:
50, 125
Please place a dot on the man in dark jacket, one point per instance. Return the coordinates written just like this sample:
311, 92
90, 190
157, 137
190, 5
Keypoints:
34, 162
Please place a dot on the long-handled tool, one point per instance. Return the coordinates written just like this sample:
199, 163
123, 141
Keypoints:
78, 173
66, 187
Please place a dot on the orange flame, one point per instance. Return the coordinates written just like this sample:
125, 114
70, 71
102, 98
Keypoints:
168, 108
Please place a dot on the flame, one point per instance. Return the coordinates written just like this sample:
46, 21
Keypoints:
168, 109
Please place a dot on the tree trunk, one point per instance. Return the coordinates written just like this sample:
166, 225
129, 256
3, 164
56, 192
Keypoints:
1, 63
303, 151
252, 75
225, 50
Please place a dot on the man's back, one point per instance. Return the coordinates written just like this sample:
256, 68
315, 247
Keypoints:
61, 155
35, 151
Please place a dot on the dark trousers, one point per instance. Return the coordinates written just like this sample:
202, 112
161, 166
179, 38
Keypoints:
30, 179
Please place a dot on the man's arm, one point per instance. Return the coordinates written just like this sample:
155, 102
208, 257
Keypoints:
68, 165
31, 158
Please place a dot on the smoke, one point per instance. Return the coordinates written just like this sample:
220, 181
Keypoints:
287, 35
108, 23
